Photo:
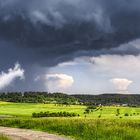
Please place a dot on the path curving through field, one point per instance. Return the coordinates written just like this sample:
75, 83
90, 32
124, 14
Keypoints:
25, 134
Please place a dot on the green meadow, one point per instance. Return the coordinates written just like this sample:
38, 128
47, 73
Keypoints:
101, 124
26, 110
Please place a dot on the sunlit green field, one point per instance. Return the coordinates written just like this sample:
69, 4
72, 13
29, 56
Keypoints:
26, 110
86, 127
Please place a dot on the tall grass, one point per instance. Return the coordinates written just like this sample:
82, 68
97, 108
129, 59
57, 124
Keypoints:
81, 129
3, 137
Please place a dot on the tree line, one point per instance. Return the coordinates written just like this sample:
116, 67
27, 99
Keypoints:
38, 97
65, 99
132, 100
54, 114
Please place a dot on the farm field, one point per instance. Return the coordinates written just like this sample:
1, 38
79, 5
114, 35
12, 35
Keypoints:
85, 127
26, 110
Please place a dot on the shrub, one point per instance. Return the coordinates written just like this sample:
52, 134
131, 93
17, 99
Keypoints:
90, 109
87, 111
126, 114
134, 113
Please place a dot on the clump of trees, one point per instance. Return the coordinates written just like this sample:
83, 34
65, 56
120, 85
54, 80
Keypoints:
54, 114
90, 109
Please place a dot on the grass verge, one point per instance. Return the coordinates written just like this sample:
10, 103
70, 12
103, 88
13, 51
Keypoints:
3, 137
81, 129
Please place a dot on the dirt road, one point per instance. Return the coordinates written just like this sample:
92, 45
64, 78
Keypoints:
24, 134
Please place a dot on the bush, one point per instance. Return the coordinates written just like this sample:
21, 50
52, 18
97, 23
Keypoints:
126, 114
90, 109
87, 111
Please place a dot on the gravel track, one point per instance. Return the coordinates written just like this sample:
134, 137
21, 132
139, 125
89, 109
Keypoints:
25, 134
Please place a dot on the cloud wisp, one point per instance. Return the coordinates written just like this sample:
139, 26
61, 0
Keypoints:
6, 78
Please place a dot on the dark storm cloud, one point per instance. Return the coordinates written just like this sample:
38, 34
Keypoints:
42, 30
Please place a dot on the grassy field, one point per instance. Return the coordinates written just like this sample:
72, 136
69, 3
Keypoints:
26, 110
81, 129
90, 127
2, 137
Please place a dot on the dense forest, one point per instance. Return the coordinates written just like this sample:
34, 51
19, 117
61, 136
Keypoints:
60, 98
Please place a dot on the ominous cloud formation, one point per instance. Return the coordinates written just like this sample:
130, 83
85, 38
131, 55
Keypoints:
59, 29
42, 34
7, 78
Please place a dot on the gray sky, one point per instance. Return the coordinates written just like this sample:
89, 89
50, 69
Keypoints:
73, 46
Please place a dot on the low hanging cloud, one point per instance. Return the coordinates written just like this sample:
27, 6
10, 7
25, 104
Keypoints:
13, 73
121, 83
58, 82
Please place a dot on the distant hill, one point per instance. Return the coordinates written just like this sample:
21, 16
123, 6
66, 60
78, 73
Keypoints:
109, 99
